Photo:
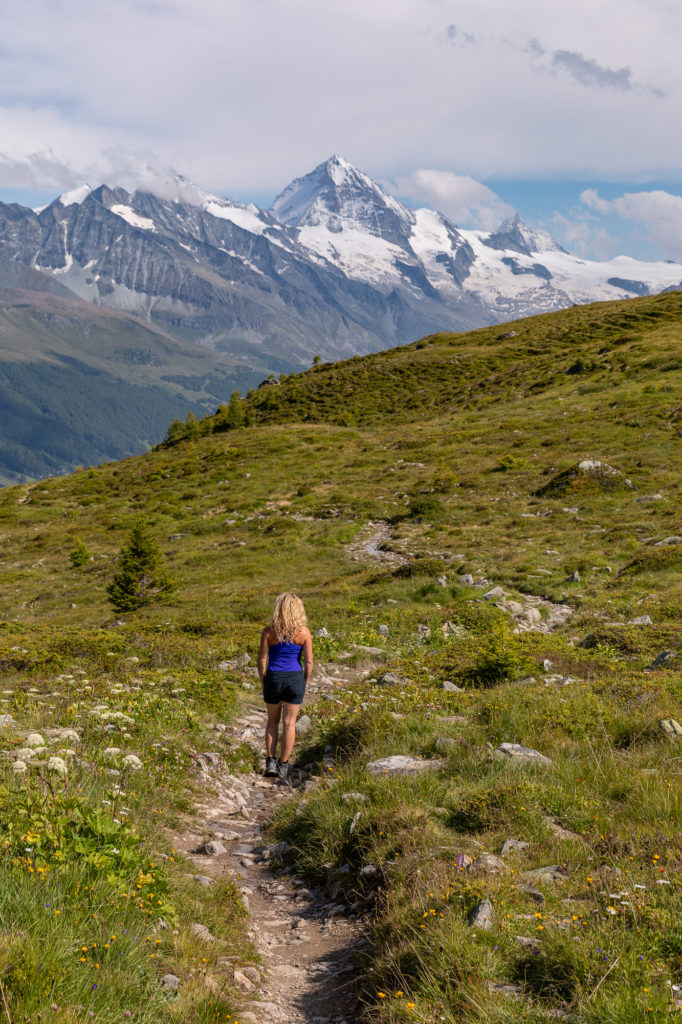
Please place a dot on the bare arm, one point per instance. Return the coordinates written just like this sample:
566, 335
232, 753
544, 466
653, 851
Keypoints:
308, 655
263, 653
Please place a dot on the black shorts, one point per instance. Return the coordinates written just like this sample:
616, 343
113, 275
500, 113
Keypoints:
283, 686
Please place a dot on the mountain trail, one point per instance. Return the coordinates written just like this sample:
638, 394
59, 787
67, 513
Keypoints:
370, 544
306, 939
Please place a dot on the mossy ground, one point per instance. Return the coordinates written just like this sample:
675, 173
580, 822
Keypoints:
446, 444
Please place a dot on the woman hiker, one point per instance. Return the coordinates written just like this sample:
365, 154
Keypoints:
285, 661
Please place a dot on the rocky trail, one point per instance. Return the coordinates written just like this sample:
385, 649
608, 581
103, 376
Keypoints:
307, 941
531, 613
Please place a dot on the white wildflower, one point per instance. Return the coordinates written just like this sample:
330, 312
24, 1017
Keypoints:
132, 762
19, 767
57, 765
34, 739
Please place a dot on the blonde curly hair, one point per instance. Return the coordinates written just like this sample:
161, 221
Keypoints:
289, 616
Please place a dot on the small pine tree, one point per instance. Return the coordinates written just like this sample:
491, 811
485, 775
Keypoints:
176, 431
79, 555
192, 428
237, 415
142, 577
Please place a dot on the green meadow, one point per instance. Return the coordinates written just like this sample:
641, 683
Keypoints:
458, 457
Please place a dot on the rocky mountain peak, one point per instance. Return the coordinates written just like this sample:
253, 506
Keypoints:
339, 197
514, 234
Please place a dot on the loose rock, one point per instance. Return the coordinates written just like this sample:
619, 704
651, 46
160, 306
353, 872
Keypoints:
517, 754
402, 764
487, 864
482, 915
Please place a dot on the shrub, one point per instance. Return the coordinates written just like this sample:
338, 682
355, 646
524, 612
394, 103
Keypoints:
501, 658
427, 506
142, 578
79, 555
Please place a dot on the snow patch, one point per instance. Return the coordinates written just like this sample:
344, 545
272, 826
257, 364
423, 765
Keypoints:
132, 218
246, 217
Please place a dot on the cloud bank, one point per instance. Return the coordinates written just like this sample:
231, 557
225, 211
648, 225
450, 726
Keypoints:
243, 95
464, 200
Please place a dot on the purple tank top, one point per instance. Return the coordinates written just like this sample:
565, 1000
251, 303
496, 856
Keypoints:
285, 657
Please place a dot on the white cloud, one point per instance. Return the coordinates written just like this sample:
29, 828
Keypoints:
464, 200
244, 94
658, 212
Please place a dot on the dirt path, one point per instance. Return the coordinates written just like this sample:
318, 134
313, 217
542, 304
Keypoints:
306, 940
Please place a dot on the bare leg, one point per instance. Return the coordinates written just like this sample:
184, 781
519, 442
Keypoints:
272, 728
289, 713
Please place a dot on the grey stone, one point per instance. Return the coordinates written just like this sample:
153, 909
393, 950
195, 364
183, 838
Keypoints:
279, 849
549, 874
171, 982
371, 873
303, 725
402, 764
213, 848
668, 540
452, 687
641, 620
482, 916
467, 580
506, 988
322, 632
514, 846
671, 727
534, 894
392, 679
487, 864
202, 932
353, 797
424, 631
204, 880
442, 581
574, 577
513, 607
517, 754
251, 973
662, 659
267, 1011
243, 983
506, 335
383, 629
494, 595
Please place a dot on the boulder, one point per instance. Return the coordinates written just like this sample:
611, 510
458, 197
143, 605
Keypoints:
514, 753
451, 687
213, 848
514, 846
482, 916
202, 932
383, 629
392, 679
670, 727
303, 725
548, 875
402, 764
496, 594
662, 659
641, 620
466, 579
487, 864
171, 982
667, 541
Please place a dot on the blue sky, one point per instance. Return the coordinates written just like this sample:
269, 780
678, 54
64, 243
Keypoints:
566, 112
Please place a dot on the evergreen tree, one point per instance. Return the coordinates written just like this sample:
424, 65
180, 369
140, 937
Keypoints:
142, 577
79, 555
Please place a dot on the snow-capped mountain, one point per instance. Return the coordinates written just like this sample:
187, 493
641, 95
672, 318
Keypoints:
350, 221
336, 266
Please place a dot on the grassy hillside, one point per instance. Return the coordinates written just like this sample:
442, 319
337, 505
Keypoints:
458, 455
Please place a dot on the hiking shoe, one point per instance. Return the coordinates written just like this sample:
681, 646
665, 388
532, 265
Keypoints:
283, 769
270, 767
